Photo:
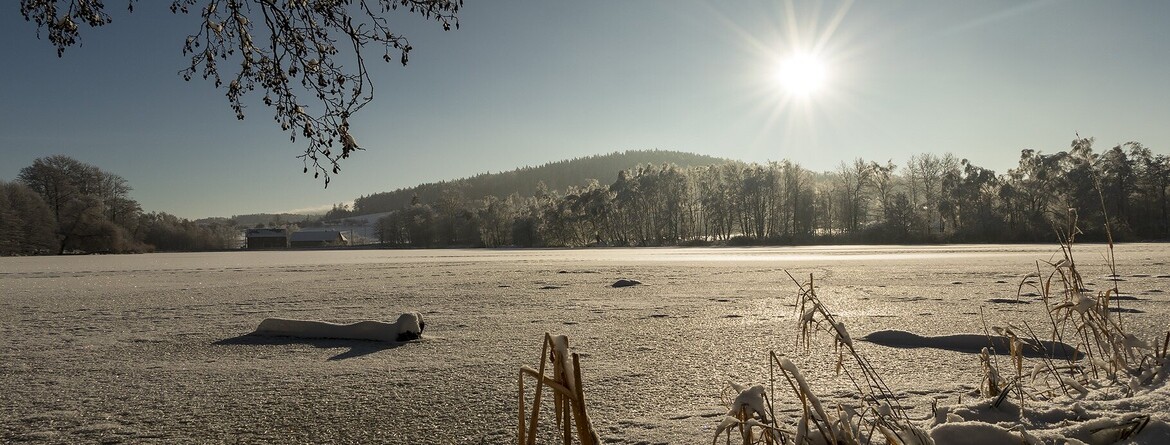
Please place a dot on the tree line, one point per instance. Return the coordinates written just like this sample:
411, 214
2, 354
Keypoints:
59, 205
928, 199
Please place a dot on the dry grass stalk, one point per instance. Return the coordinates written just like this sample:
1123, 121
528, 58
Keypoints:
879, 418
1103, 347
1076, 311
880, 412
568, 395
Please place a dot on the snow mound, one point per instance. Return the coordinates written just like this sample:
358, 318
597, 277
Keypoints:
624, 282
1103, 414
409, 326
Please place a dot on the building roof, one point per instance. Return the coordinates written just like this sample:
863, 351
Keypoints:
267, 233
317, 235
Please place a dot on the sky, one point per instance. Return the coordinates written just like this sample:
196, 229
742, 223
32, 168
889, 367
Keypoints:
529, 82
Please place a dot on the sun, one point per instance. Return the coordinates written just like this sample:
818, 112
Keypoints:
801, 75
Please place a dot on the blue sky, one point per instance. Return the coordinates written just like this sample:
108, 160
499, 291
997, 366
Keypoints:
528, 82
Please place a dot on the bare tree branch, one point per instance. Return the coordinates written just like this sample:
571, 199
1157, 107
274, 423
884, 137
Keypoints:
308, 57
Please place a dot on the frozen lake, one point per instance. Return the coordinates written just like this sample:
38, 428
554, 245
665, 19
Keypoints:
153, 348
250, 259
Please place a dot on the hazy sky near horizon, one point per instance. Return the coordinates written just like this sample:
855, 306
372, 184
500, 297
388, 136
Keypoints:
529, 82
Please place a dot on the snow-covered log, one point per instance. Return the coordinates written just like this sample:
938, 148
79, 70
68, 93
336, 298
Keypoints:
409, 326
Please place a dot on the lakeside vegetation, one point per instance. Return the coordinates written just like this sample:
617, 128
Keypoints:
929, 199
648, 198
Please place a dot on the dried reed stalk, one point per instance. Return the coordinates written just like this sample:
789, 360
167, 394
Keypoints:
568, 395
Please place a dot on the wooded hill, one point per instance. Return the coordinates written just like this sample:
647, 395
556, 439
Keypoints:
525, 181
1120, 193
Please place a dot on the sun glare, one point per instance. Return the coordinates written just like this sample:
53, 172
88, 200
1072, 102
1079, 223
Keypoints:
801, 75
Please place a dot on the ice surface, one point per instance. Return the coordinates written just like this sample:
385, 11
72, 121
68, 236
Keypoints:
129, 348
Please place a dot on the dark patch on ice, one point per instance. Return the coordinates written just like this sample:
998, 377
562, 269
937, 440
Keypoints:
706, 415
1008, 301
1029, 294
1154, 291
908, 299
1125, 310
956, 282
1115, 279
733, 316
1140, 275
970, 343
720, 300
549, 287
624, 282
1000, 282
503, 285
1125, 298
1162, 276
570, 323
659, 316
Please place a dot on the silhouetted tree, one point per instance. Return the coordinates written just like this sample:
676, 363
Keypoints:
419, 221
91, 208
1118, 181
26, 222
925, 187
166, 232
853, 180
495, 216
391, 229
883, 183
1151, 210
971, 199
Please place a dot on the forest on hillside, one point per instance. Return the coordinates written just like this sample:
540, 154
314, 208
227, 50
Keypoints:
61, 205
526, 181
929, 199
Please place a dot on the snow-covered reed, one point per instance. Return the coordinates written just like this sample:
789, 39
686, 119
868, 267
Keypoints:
1111, 389
568, 395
